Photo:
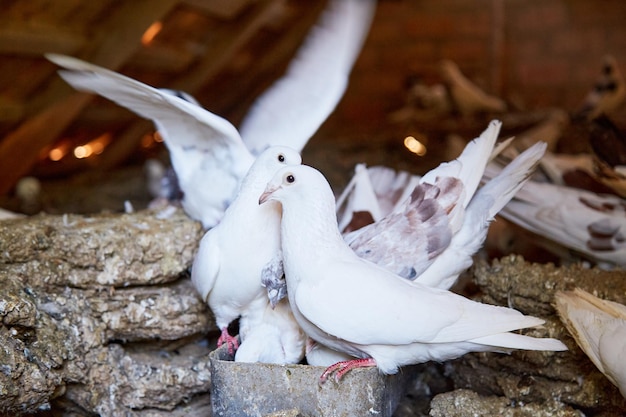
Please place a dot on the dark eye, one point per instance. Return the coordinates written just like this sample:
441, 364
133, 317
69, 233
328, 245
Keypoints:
290, 178
281, 158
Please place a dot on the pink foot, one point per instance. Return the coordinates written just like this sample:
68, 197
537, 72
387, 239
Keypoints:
342, 368
231, 341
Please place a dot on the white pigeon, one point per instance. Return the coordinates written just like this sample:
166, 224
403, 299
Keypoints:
593, 225
234, 255
276, 338
357, 307
599, 328
207, 152
442, 224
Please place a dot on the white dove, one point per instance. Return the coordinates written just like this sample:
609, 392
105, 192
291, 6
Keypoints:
207, 152
275, 338
445, 221
594, 225
234, 255
468, 98
357, 307
599, 328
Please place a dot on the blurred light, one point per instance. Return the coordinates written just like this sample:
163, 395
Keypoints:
150, 33
94, 147
81, 152
415, 146
151, 139
56, 154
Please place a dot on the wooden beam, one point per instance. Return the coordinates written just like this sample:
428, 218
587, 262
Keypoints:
120, 37
10, 111
225, 9
116, 42
21, 148
37, 40
161, 59
222, 51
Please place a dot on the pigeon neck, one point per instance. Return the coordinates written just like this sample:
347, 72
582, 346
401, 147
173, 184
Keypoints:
309, 230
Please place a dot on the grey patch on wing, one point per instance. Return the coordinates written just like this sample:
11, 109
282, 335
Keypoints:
273, 279
407, 243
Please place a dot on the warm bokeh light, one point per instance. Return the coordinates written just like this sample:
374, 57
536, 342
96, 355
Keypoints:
415, 146
150, 139
81, 152
56, 154
59, 152
95, 147
150, 33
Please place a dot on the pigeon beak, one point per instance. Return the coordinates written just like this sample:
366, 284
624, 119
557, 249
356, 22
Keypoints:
267, 194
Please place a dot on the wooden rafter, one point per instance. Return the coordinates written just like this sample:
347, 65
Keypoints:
222, 51
118, 40
220, 54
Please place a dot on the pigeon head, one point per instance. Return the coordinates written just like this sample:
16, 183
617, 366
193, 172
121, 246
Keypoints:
296, 182
276, 157
266, 164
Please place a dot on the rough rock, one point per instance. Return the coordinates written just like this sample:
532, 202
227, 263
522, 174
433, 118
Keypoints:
86, 305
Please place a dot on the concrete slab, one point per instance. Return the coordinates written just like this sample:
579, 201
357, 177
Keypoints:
258, 389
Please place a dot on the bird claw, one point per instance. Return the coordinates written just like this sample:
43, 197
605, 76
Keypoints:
231, 341
343, 367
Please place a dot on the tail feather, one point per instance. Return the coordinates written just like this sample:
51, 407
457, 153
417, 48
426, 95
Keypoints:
518, 341
469, 166
507, 183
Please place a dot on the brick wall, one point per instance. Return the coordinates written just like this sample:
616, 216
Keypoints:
534, 53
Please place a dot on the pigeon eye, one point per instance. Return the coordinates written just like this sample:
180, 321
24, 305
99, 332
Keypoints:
281, 158
290, 178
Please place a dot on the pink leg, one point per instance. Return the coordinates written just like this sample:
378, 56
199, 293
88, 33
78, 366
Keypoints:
344, 367
231, 341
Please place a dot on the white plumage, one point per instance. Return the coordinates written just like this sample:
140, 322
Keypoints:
591, 224
359, 308
207, 152
432, 235
293, 108
234, 255
275, 338
599, 328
